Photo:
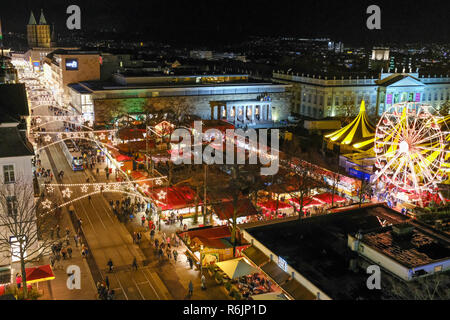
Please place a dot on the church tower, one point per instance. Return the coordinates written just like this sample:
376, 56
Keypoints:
38, 34
31, 31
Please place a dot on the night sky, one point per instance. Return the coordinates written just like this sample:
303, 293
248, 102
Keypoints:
211, 21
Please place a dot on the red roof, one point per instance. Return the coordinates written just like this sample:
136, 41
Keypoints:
177, 197
122, 158
307, 202
210, 237
272, 205
215, 124
130, 133
37, 274
326, 197
225, 209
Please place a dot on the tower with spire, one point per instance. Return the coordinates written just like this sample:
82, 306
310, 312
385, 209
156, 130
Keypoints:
38, 34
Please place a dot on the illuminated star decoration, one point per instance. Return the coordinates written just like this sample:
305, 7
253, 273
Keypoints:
145, 188
47, 138
97, 187
158, 182
84, 188
91, 135
66, 193
102, 136
107, 187
116, 186
162, 195
50, 189
38, 120
46, 204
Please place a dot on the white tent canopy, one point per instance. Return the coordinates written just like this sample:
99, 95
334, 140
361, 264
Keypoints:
236, 268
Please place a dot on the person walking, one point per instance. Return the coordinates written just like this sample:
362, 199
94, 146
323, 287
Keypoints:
191, 262
152, 234
134, 264
203, 282
191, 288
107, 282
75, 239
58, 229
143, 220
67, 231
69, 251
175, 255
110, 265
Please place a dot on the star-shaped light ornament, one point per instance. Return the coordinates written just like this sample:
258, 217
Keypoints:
91, 135
107, 187
97, 187
47, 138
84, 188
158, 182
46, 204
50, 189
38, 120
145, 188
102, 136
66, 193
116, 186
162, 195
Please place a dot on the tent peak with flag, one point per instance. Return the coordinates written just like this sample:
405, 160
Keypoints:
359, 133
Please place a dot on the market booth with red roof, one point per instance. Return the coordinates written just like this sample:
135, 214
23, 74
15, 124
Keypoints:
212, 244
308, 202
224, 211
176, 199
329, 198
34, 276
270, 206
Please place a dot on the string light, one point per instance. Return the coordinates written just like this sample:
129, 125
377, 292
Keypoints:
84, 188
162, 195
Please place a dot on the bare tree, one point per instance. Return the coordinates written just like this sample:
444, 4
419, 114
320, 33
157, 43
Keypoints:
434, 287
23, 223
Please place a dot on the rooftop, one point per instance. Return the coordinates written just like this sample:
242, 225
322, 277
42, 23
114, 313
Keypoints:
13, 143
317, 248
13, 102
413, 250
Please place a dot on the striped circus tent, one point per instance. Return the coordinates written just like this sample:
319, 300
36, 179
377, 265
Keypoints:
358, 134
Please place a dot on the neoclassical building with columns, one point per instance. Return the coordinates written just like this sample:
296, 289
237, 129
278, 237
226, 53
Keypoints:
237, 99
320, 96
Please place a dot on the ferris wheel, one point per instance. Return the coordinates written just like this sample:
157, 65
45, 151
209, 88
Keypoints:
410, 148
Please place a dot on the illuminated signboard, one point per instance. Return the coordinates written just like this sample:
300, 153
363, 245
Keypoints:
389, 99
71, 64
36, 63
282, 264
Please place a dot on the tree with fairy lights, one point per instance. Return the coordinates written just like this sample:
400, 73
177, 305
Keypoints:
25, 223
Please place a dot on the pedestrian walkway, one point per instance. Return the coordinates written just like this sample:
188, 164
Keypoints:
57, 289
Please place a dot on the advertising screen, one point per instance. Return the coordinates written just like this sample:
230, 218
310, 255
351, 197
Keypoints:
71, 64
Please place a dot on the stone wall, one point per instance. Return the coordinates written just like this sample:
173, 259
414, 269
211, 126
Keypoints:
106, 109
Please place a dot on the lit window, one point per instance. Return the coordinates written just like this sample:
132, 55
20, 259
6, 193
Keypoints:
11, 203
8, 173
438, 268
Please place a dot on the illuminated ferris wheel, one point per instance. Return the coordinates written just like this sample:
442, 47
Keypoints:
410, 148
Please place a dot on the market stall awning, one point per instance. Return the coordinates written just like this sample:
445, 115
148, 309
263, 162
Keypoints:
236, 268
131, 133
225, 210
272, 205
307, 202
122, 158
328, 198
38, 274
175, 198
210, 237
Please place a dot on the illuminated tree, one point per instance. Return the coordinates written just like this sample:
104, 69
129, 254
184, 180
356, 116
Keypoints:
24, 220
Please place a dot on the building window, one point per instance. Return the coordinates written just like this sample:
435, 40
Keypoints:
8, 173
329, 101
11, 203
309, 97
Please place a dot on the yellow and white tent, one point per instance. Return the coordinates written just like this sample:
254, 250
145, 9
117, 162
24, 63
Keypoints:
358, 134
